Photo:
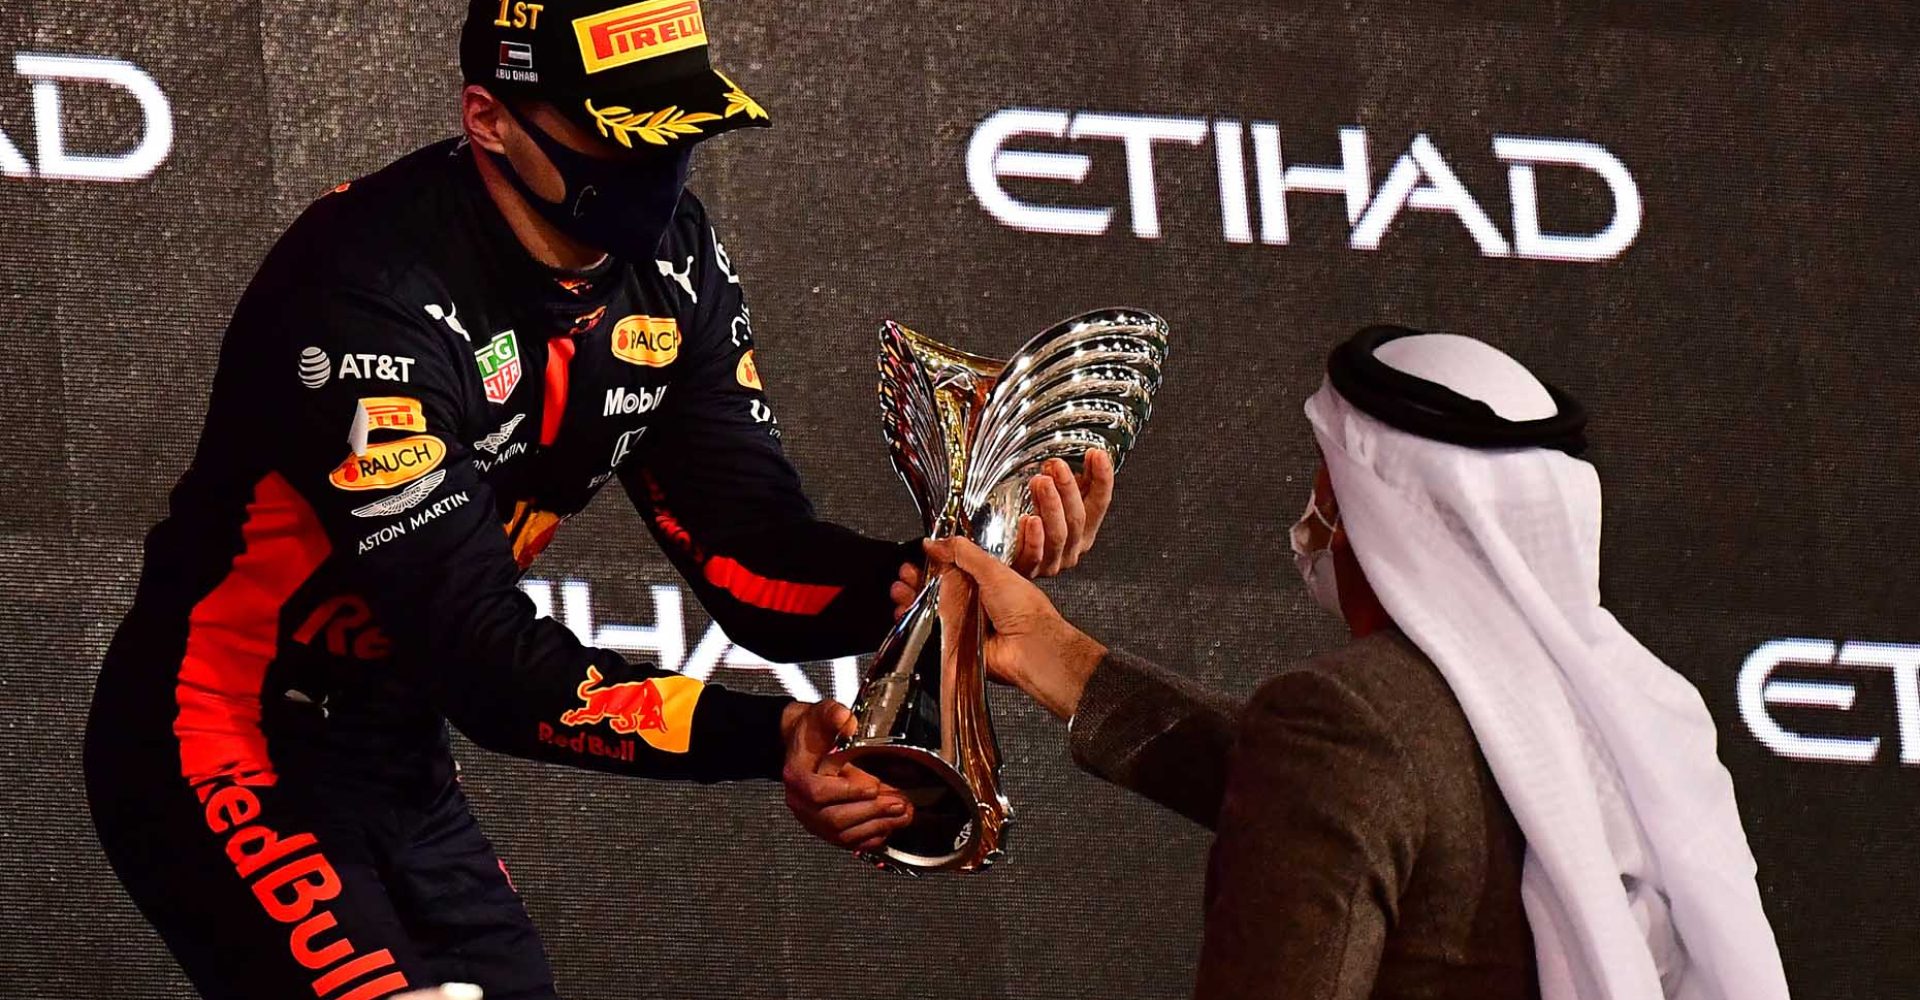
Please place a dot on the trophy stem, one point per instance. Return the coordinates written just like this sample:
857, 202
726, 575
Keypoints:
923, 730
965, 433
976, 750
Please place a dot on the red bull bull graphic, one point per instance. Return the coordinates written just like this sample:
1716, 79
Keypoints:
658, 710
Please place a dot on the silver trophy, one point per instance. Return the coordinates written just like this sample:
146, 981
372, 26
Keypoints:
967, 433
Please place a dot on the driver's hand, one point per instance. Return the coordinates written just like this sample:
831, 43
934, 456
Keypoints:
844, 806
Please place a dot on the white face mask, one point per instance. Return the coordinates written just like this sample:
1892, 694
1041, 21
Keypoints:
1316, 564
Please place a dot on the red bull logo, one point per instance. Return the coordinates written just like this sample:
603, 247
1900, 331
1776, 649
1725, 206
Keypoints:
296, 885
658, 710
587, 744
344, 626
628, 708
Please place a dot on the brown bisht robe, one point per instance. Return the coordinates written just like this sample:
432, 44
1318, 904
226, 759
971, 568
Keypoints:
1362, 849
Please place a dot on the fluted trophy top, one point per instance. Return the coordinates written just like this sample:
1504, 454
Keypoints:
966, 432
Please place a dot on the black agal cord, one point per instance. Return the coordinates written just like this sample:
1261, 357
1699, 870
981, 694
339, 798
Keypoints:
1434, 411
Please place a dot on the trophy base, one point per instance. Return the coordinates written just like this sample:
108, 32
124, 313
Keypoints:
945, 833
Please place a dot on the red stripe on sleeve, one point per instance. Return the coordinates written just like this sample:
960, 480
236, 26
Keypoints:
232, 634
783, 596
728, 574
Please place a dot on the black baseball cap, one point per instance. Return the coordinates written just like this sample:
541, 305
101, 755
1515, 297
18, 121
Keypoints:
635, 73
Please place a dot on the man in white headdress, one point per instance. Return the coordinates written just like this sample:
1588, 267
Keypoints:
1494, 791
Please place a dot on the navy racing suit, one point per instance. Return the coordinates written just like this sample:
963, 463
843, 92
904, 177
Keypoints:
407, 407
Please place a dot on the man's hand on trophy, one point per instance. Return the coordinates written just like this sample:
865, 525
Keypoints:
1067, 511
843, 806
905, 589
1030, 646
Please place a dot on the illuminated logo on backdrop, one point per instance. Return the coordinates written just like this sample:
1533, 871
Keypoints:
668, 638
144, 139
638, 32
1821, 682
1420, 179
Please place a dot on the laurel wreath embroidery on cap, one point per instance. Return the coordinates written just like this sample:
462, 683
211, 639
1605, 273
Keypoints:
658, 128
738, 101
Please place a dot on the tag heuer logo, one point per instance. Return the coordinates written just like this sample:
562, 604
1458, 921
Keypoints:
499, 363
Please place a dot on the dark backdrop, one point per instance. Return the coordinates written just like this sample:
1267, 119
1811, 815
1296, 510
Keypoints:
1750, 358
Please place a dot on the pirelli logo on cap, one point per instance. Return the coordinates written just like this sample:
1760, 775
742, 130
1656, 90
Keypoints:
638, 32
389, 464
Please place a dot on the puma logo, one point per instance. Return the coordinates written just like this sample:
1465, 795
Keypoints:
451, 318
683, 278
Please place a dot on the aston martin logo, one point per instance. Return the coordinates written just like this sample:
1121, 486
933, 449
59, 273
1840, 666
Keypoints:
404, 500
492, 443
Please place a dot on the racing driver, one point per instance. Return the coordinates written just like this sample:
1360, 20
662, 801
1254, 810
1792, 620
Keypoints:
434, 367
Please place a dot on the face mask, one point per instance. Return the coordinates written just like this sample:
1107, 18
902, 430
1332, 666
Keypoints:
620, 206
1316, 564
